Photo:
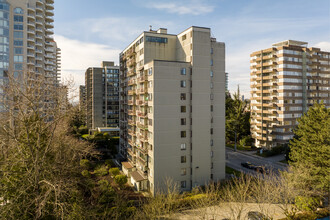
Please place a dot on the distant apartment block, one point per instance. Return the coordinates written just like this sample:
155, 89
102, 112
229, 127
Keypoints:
286, 80
82, 98
172, 113
102, 96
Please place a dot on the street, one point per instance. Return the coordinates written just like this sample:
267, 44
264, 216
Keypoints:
234, 160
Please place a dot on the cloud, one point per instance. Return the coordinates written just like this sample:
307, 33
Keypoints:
77, 56
183, 7
324, 45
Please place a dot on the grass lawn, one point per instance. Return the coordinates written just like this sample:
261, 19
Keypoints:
245, 148
230, 170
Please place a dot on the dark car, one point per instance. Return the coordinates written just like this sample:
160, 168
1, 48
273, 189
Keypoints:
247, 165
256, 216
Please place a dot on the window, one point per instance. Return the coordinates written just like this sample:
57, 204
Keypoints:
183, 71
18, 42
211, 85
211, 73
211, 108
183, 134
18, 18
211, 50
183, 108
18, 26
150, 122
18, 34
183, 83
18, 66
184, 37
156, 39
183, 146
211, 131
211, 96
183, 184
211, 142
150, 71
211, 63
18, 11
183, 121
18, 59
183, 171
183, 96
183, 159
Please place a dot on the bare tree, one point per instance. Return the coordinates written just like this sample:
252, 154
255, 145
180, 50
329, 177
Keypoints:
39, 161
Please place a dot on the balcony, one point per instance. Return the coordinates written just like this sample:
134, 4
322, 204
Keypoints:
130, 52
131, 102
142, 79
131, 122
131, 82
131, 72
142, 126
131, 62
142, 114
131, 112
131, 92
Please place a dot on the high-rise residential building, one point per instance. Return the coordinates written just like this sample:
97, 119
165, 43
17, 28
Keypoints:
286, 80
26, 41
102, 96
226, 87
172, 114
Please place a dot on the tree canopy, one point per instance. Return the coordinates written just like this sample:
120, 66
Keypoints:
310, 148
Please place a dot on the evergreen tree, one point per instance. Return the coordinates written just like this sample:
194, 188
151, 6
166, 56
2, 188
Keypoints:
237, 118
310, 148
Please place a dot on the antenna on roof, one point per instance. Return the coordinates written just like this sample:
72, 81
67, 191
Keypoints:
150, 28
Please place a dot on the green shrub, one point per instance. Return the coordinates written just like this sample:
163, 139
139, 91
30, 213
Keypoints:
85, 163
109, 163
121, 180
307, 203
102, 171
83, 130
85, 173
114, 171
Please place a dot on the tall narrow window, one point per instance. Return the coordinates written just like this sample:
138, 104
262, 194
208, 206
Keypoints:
183, 71
183, 159
183, 121
183, 96
183, 83
183, 134
183, 108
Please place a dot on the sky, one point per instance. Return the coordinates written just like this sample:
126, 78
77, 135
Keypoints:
89, 32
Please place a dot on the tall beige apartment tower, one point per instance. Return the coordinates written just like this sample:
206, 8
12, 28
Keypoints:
26, 41
172, 112
102, 96
286, 80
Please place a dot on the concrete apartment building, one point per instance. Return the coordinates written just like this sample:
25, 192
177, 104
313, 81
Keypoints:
82, 98
26, 41
286, 80
102, 96
172, 113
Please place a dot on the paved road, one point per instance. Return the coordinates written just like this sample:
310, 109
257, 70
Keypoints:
234, 160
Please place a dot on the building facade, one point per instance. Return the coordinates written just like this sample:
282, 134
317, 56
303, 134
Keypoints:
102, 96
172, 112
82, 98
286, 80
26, 39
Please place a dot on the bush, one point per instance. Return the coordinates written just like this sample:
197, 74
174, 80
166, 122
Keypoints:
85, 163
85, 173
83, 130
307, 203
102, 171
114, 171
121, 180
109, 163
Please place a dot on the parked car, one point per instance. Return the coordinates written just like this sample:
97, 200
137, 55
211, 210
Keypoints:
256, 216
247, 165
